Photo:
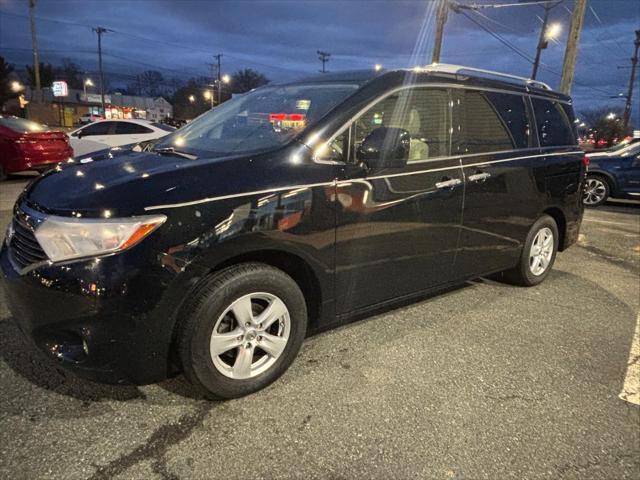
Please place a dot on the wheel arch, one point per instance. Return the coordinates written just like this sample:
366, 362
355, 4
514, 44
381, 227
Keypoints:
613, 184
561, 221
293, 265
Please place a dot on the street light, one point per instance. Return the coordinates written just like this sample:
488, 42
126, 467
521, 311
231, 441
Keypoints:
552, 31
226, 79
611, 116
377, 67
85, 84
192, 98
16, 86
208, 95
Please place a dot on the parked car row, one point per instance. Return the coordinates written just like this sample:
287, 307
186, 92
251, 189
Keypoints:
26, 145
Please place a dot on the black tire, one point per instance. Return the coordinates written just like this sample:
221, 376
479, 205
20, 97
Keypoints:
596, 190
522, 274
207, 304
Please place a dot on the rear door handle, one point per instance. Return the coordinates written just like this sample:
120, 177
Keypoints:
448, 183
479, 177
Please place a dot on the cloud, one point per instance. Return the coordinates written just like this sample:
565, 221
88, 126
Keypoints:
281, 37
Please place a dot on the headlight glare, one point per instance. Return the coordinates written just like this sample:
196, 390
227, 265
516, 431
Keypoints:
68, 238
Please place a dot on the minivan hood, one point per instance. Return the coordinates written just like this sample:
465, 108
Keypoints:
127, 183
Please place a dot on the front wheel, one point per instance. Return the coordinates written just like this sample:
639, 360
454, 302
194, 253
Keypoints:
538, 254
241, 330
596, 191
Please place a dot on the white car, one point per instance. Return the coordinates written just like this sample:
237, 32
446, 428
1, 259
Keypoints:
114, 133
89, 118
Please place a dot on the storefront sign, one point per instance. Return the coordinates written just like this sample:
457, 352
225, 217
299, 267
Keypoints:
60, 89
95, 98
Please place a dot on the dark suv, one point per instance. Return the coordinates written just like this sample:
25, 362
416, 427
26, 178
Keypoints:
289, 210
614, 173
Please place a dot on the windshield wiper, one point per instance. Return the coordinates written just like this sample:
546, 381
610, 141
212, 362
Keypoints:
173, 151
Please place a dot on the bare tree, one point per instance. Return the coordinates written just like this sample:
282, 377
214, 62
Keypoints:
246, 80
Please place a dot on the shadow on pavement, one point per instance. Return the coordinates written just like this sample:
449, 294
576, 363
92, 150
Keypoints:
24, 359
32, 365
618, 206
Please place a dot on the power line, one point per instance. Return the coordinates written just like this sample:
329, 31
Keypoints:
524, 55
154, 40
475, 6
498, 37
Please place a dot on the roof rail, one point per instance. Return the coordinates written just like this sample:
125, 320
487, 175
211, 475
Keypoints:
461, 69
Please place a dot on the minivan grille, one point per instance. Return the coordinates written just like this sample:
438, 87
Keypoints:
24, 247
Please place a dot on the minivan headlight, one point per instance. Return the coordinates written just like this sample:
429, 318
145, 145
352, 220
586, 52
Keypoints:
68, 238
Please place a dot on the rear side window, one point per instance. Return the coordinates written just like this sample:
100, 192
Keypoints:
483, 128
99, 128
513, 114
554, 125
128, 128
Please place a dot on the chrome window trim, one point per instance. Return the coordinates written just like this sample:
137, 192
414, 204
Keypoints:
426, 85
336, 182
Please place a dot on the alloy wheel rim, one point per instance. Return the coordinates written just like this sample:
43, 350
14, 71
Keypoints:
594, 191
250, 335
541, 251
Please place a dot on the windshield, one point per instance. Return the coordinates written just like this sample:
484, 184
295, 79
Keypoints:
265, 118
21, 125
628, 150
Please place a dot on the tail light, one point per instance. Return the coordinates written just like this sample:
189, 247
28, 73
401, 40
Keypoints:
24, 140
585, 161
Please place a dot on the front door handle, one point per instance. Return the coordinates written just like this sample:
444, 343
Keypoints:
478, 177
448, 183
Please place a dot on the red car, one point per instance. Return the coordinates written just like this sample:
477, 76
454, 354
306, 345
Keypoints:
26, 145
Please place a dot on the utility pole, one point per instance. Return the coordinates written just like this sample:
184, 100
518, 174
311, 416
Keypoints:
100, 31
34, 45
441, 18
634, 63
218, 57
324, 58
571, 52
542, 42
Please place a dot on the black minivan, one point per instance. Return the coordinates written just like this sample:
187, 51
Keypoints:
287, 210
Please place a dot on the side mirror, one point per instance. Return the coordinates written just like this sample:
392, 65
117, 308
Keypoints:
385, 147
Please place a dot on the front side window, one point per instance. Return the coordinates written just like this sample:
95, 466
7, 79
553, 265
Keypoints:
484, 126
422, 112
265, 118
554, 126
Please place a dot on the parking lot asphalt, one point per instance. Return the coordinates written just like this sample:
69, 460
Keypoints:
484, 381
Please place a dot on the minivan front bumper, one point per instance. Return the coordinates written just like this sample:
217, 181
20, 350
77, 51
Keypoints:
109, 320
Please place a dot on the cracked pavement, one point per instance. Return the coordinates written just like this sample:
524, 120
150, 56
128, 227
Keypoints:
483, 381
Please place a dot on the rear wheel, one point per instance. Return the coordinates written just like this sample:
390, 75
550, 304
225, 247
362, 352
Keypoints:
538, 254
241, 330
596, 191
